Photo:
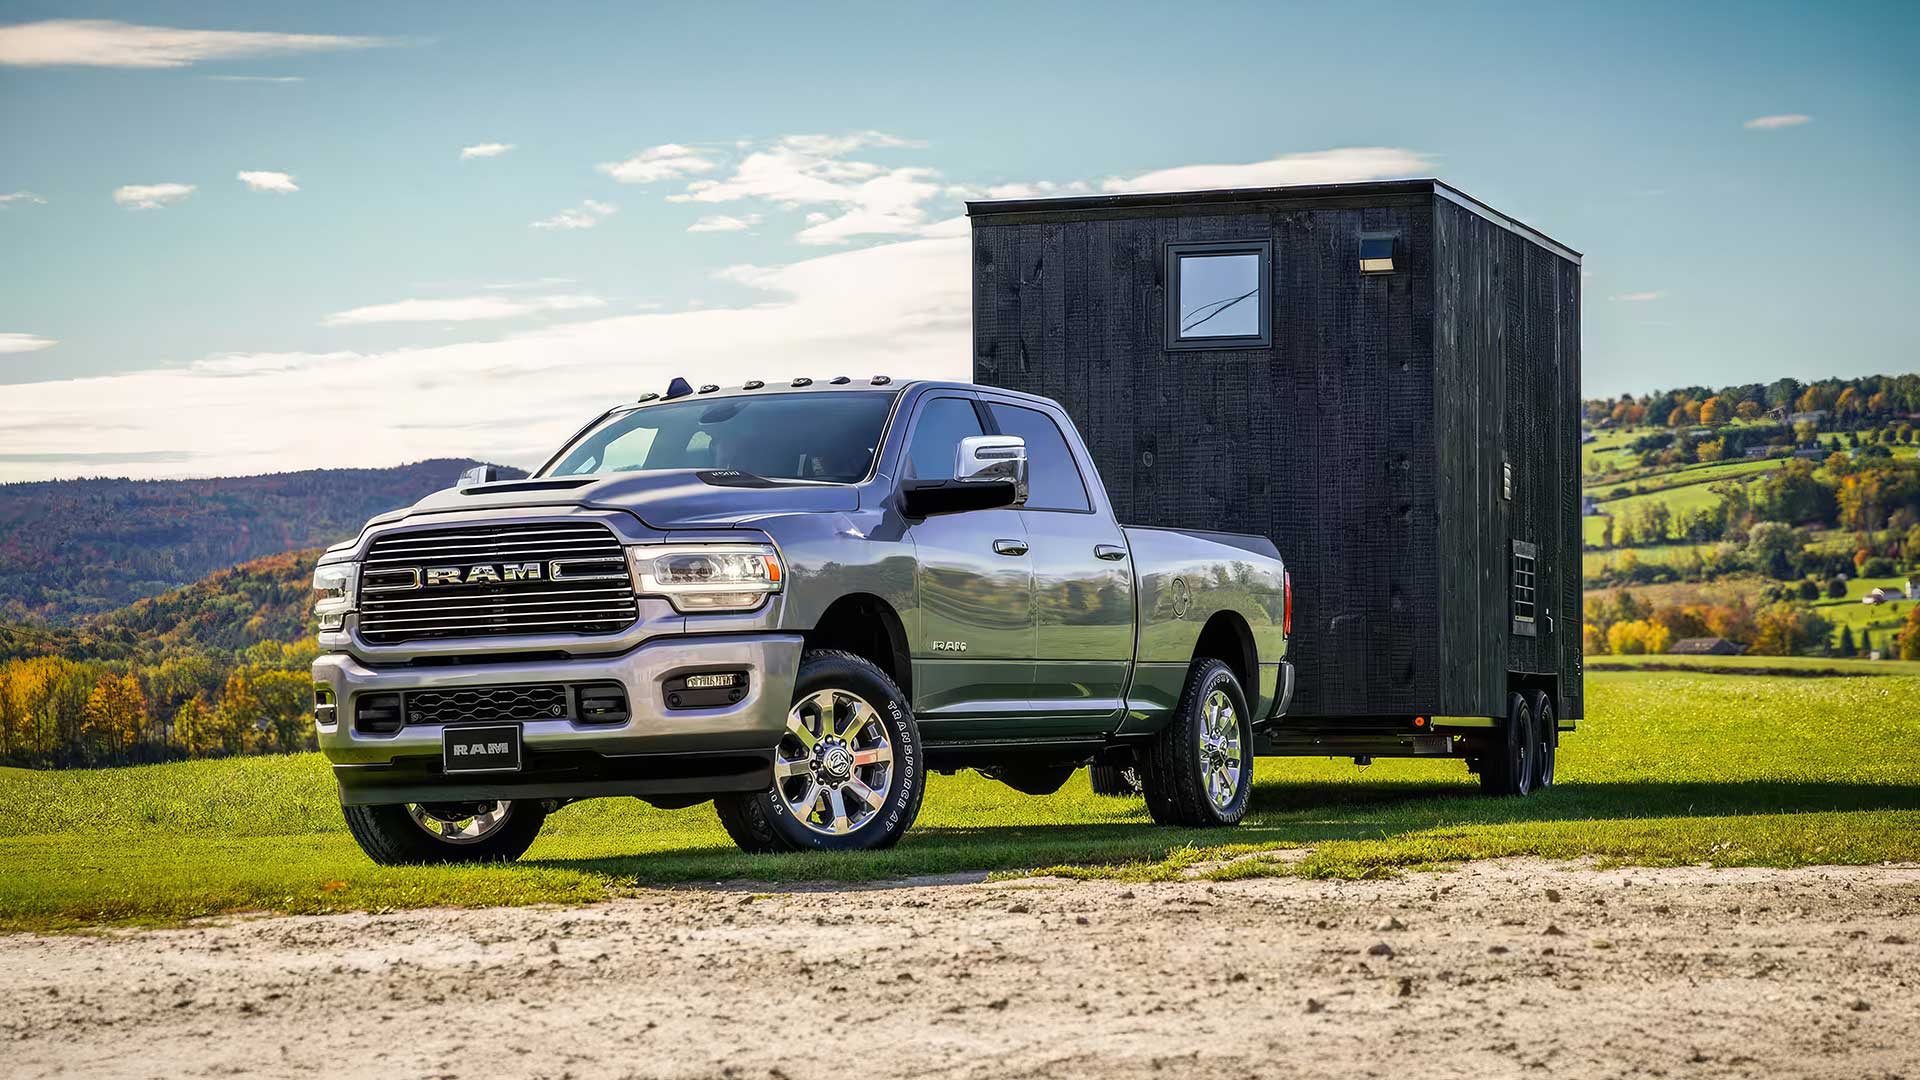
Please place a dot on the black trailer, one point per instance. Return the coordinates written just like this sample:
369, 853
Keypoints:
1384, 378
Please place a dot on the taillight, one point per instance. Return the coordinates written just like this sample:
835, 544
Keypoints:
1286, 614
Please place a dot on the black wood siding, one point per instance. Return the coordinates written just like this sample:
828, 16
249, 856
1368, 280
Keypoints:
1366, 441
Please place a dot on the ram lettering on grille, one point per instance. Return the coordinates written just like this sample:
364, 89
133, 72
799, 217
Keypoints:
513, 578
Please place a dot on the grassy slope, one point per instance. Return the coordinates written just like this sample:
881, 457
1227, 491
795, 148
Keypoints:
1669, 768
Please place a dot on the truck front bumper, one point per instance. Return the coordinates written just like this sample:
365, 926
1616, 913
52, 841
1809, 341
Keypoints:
655, 751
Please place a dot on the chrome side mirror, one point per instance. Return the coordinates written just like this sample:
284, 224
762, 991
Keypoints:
479, 474
991, 459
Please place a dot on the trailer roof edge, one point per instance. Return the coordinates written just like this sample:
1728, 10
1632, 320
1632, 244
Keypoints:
1096, 205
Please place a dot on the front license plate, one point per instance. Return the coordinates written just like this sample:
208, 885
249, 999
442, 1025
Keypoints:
494, 748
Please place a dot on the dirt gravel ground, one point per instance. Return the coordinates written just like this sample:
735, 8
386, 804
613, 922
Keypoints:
1499, 969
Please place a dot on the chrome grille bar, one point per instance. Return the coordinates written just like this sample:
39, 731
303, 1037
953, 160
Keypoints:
448, 605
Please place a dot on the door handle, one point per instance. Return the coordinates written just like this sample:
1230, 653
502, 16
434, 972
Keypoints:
1009, 547
1110, 552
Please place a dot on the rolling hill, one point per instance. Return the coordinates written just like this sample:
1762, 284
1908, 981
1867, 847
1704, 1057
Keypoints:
70, 549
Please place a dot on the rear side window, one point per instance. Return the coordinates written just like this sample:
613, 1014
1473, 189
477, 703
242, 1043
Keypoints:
943, 422
1053, 480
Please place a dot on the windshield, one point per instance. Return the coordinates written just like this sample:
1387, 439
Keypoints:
828, 437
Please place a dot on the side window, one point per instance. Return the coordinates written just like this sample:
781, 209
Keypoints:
937, 432
1053, 480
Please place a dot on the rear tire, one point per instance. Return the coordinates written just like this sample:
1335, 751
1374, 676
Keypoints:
412, 834
1547, 729
848, 774
1199, 770
1507, 768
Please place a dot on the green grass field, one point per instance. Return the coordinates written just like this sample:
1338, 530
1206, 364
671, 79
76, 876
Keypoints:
1668, 768
1756, 665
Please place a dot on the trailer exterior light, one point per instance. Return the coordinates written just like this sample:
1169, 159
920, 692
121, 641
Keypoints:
1376, 254
1286, 612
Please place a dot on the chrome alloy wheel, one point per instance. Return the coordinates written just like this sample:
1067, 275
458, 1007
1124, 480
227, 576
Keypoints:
835, 764
461, 823
1221, 759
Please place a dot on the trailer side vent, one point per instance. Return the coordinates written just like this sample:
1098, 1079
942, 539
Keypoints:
1524, 561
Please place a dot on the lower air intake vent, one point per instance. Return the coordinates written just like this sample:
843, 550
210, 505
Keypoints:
487, 704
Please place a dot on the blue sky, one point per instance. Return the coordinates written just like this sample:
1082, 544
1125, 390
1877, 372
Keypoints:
369, 295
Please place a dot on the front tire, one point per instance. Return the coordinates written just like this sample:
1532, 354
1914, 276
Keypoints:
847, 775
1199, 770
413, 834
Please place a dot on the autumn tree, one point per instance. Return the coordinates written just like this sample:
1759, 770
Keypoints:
238, 715
115, 718
1715, 411
194, 729
286, 699
1909, 636
1749, 410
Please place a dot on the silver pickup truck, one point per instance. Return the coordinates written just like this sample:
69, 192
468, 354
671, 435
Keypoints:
795, 601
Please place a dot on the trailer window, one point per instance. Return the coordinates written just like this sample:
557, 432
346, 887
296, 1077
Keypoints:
1218, 295
1524, 556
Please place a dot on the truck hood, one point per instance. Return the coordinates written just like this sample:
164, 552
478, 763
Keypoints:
672, 499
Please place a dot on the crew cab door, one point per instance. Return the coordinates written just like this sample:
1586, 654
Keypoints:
973, 649
1082, 578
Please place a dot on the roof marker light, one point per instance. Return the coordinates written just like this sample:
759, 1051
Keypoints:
881, 380
647, 397
709, 388
802, 381
839, 380
752, 384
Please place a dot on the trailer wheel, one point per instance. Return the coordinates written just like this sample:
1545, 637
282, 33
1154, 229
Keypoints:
1507, 768
847, 775
1116, 780
1199, 771
1547, 727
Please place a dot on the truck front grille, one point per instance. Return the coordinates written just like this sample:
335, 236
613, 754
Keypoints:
513, 578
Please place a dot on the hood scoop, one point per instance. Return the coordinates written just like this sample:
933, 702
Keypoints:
511, 486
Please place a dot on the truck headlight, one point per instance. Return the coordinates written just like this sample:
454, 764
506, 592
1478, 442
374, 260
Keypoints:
339, 586
708, 577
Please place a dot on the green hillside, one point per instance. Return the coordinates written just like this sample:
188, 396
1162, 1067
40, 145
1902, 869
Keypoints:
74, 548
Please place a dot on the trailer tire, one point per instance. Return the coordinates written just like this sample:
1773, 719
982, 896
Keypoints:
1507, 767
1119, 781
1547, 726
396, 834
1199, 770
830, 687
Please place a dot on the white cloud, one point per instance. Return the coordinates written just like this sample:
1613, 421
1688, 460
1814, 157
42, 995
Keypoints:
814, 171
1773, 123
1044, 189
19, 343
1637, 297
106, 43
277, 182
1343, 165
484, 150
670, 161
151, 196
462, 309
900, 308
724, 223
259, 78
585, 216
20, 197
535, 283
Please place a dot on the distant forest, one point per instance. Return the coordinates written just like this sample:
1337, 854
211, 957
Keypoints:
74, 548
